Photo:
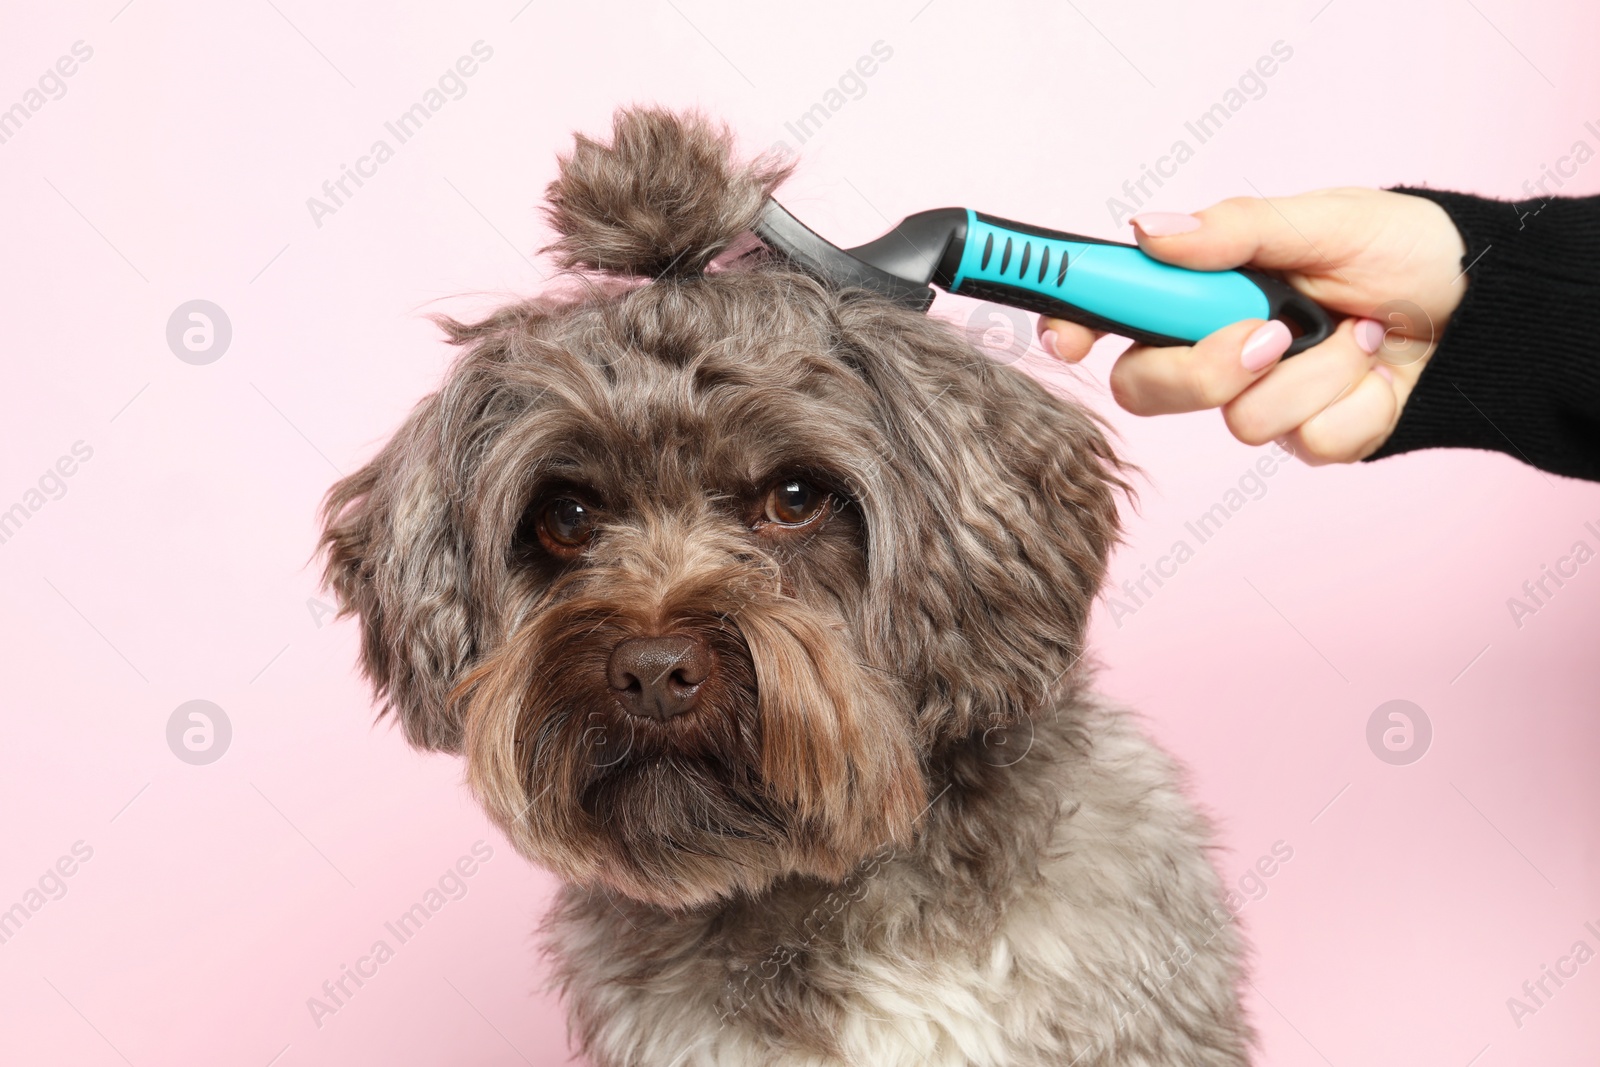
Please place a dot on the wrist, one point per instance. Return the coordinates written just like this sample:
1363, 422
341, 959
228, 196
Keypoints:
1515, 366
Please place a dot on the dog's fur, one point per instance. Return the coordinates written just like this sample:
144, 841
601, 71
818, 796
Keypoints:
896, 829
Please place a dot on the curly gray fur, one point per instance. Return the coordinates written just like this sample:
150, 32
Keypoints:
896, 830
664, 196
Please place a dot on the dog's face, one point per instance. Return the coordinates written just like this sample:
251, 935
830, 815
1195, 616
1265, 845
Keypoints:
712, 579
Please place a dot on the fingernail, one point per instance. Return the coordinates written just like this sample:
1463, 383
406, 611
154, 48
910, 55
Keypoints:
1165, 223
1263, 347
1369, 335
1383, 371
1047, 341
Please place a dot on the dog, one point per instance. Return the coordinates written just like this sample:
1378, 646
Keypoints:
756, 608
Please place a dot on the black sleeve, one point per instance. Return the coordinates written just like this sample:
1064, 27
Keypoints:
1518, 368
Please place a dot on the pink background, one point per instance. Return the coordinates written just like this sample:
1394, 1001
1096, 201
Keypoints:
177, 166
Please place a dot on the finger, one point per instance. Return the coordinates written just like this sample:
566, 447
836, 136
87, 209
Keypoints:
1297, 390
1352, 428
1067, 341
1217, 368
1289, 233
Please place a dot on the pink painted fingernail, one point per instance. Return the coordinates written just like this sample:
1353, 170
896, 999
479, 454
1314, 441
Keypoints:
1369, 335
1383, 371
1047, 341
1263, 347
1165, 223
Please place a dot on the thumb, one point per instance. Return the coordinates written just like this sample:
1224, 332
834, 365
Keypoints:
1292, 233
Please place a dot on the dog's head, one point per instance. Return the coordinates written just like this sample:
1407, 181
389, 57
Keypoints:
710, 576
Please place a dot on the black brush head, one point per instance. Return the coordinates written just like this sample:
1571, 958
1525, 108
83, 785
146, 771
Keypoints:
925, 247
897, 277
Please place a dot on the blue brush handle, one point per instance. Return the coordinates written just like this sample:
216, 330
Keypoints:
1117, 288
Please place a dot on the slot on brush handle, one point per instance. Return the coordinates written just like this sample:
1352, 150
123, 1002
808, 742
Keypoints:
1115, 287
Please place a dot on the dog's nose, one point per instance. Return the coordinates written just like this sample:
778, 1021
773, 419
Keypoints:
659, 677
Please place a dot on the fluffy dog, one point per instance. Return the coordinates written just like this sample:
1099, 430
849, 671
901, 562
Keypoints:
757, 611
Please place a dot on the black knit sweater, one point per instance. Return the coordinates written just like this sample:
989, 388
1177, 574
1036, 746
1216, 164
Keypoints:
1518, 368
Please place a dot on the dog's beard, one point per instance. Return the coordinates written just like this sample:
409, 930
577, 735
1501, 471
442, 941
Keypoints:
797, 758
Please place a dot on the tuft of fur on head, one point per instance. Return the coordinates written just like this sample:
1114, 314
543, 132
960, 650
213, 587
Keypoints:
665, 196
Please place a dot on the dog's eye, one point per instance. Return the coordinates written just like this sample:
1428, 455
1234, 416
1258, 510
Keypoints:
794, 502
565, 525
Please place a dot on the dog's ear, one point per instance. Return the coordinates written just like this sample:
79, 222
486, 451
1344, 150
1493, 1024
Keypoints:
989, 522
664, 197
396, 559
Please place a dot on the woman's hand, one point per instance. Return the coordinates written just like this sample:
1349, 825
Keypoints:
1391, 261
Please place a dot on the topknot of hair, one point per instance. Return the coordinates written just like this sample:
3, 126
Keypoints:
664, 197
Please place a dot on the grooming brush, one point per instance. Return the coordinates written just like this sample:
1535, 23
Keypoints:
1103, 285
